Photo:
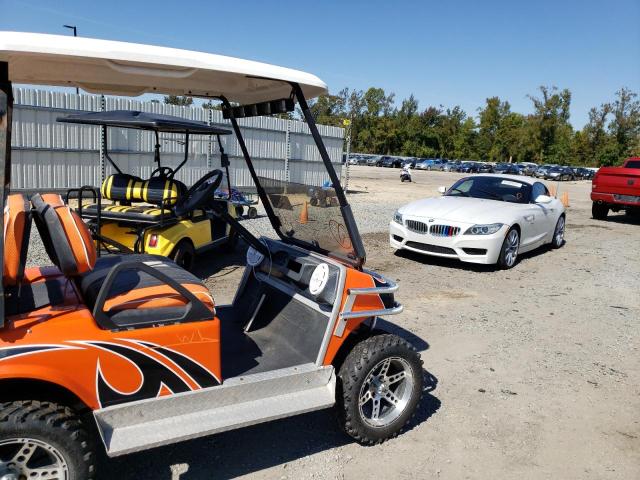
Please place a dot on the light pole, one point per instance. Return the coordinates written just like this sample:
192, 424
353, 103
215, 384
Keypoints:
75, 34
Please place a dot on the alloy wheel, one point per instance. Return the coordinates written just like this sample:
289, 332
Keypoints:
511, 252
28, 458
386, 391
559, 233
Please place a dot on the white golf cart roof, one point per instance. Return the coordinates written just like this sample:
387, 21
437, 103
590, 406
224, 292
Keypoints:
120, 68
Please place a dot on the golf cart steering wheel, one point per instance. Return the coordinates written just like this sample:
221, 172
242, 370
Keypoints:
201, 192
161, 172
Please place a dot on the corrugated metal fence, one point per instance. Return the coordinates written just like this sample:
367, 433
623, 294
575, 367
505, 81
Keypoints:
51, 155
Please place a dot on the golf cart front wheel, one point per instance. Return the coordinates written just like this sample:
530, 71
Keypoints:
379, 388
252, 212
43, 440
184, 254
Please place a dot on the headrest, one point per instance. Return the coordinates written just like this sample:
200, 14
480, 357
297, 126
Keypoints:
17, 229
66, 238
156, 190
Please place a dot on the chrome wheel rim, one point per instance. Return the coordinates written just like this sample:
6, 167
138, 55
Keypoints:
559, 235
511, 252
385, 392
28, 458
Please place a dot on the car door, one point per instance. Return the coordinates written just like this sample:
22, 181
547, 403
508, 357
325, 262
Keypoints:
541, 215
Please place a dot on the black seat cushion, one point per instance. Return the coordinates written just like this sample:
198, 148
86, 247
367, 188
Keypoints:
123, 213
136, 298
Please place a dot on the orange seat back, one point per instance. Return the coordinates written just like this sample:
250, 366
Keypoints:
65, 236
17, 229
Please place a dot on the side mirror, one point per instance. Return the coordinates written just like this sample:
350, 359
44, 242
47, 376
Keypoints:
442, 190
543, 199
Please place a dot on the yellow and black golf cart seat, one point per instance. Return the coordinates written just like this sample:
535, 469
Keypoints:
157, 215
156, 197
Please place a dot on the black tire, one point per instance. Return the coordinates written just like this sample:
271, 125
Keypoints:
402, 179
558, 237
354, 371
504, 261
57, 436
184, 254
599, 211
252, 212
239, 211
313, 202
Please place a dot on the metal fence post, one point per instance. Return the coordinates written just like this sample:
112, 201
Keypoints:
209, 142
347, 124
287, 156
103, 135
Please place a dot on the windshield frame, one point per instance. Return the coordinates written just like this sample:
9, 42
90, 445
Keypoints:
359, 255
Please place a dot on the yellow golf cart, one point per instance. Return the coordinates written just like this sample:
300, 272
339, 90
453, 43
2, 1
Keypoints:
158, 215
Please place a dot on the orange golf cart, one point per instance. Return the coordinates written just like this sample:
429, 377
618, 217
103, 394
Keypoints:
134, 347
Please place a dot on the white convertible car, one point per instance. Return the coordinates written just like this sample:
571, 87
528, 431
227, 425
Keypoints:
481, 219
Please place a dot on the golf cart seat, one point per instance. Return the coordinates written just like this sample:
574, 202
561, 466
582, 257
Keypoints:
129, 213
158, 194
123, 291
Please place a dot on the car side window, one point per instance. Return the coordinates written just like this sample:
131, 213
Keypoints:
537, 190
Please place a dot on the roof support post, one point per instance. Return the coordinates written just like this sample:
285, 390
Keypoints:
6, 107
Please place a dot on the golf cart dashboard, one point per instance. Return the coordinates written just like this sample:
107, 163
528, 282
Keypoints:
301, 272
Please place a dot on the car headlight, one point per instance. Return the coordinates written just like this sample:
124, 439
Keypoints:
397, 217
488, 229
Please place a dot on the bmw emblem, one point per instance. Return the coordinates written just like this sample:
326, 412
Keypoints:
431, 219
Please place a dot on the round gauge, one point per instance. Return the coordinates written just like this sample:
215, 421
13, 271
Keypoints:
319, 279
254, 257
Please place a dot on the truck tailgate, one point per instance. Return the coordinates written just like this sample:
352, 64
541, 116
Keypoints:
623, 181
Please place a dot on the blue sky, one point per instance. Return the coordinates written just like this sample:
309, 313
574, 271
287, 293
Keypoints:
449, 53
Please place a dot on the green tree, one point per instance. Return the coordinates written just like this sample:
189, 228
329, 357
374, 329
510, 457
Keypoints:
551, 116
625, 124
178, 100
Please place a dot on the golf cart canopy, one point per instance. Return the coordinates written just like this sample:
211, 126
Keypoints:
144, 121
245, 88
119, 68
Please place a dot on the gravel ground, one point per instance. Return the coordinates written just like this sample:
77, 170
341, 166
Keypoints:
534, 371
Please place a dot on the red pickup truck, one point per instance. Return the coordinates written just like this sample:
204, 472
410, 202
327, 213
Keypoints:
616, 188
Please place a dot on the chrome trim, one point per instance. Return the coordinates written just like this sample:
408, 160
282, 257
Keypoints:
352, 295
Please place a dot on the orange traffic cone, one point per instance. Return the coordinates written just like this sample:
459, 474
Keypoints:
565, 199
304, 213
552, 190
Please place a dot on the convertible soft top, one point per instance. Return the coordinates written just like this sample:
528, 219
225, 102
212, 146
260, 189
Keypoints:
144, 121
119, 68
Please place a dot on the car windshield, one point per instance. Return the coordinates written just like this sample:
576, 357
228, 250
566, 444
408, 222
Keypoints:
491, 188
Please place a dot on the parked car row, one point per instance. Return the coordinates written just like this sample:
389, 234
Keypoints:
546, 172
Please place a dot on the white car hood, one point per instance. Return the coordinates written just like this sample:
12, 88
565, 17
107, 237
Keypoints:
462, 209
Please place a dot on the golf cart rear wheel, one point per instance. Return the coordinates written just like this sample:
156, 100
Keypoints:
252, 212
43, 440
379, 388
239, 211
184, 254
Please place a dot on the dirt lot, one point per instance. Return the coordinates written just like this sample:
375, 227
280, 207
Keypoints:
535, 372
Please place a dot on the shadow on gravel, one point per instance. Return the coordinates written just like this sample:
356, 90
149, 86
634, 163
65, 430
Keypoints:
459, 265
213, 262
420, 344
252, 449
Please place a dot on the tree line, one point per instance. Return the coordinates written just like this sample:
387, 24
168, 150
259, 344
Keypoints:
496, 133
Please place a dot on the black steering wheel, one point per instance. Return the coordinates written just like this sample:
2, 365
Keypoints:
200, 193
160, 171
